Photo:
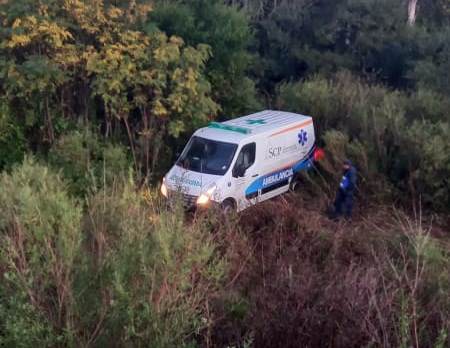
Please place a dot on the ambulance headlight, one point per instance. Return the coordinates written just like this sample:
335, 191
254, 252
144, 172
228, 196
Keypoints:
164, 188
205, 197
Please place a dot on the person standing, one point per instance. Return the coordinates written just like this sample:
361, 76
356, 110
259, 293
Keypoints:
343, 205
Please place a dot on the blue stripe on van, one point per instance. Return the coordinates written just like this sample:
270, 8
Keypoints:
274, 178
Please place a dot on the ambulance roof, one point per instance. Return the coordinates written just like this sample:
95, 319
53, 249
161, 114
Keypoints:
268, 121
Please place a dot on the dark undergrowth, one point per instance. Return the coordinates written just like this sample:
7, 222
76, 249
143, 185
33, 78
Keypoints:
299, 279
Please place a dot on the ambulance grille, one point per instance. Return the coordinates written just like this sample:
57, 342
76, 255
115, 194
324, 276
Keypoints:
189, 200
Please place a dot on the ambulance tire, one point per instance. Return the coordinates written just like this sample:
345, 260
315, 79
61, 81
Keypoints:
228, 206
295, 185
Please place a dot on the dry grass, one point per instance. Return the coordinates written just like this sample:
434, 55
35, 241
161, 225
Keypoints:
299, 279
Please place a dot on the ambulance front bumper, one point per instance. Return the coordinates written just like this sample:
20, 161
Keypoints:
189, 202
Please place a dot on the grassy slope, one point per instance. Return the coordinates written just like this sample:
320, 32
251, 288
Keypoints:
298, 278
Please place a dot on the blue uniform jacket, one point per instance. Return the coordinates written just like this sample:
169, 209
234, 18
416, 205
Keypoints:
348, 182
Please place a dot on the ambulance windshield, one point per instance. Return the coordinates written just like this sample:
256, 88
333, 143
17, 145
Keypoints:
207, 156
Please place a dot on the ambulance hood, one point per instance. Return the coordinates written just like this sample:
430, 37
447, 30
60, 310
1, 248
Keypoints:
189, 182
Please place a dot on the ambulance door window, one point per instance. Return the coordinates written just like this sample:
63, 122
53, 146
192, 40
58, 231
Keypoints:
245, 160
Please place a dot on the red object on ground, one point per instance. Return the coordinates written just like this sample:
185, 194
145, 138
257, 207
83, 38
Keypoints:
319, 154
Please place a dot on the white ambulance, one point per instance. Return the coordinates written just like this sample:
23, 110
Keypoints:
241, 162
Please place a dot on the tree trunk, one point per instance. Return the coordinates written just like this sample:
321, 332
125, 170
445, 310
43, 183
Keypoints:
107, 121
146, 134
130, 138
158, 131
412, 12
86, 103
50, 131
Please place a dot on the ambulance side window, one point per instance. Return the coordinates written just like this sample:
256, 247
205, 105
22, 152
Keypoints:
245, 160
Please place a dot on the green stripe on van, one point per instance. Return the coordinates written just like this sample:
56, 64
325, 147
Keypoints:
218, 125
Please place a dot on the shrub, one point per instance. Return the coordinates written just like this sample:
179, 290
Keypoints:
151, 275
430, 162
40, 237
124, 271
389, 134
428, 106
87, 162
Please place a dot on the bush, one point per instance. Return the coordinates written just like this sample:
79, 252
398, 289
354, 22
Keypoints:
123, 271
388, 134
430, 176
87, 162
40, 240
339, 147
150, 275
428, 106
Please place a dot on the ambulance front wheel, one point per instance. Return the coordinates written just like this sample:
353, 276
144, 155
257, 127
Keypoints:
228, 206
295, 185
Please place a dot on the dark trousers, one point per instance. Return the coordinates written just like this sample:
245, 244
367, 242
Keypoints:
343, 205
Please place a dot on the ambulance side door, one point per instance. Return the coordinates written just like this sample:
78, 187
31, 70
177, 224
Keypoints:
243, 174
278, 162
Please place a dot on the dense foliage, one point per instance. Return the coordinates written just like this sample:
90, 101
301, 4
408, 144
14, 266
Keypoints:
401, 137
144, 74
118, 270
97, 96
66, 64
228, 33
121, 270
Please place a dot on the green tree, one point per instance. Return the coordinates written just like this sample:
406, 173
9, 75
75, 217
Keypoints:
227, 31
63, 62
32, 70
433, 66
370, 37
12, 138
156, 76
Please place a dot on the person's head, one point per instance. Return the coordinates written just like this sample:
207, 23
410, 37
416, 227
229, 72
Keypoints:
347, 164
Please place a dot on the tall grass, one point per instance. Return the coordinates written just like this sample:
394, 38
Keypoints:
120, 269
